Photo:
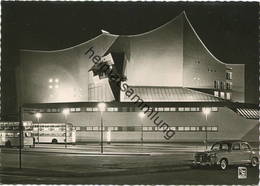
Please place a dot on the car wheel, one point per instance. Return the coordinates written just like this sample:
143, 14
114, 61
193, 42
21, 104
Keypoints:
223, 164
54, 141
254, 162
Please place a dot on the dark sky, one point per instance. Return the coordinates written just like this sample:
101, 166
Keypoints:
229, 30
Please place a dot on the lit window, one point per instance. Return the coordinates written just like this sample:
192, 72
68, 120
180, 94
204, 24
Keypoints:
214, 128
160, 109
78, 109
89, 128
186, 109
145, 128
166, 109
180, 128
173, 128
95, 128
208, 128
186, 128
214, 109
45, 128
115, 128
89, 109
95, 109
181, 109
112, 109
56, 80
193, 128
216, 93
173, 109
228, 95
164, 127
72, 109
222, 95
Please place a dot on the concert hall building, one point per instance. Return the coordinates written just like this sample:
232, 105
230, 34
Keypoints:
169, 68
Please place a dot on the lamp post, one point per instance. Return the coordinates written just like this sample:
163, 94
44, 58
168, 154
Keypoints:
66, 113
38, 116
102, 108
141, 115
206, 111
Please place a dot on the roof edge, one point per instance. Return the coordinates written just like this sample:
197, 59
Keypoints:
69, 48
186, 17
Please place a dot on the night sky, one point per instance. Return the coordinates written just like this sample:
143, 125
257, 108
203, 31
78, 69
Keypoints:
229, 30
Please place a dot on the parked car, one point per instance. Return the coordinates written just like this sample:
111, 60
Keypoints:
226, 153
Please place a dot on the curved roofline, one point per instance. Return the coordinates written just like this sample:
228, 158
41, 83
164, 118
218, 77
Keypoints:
136, 35
201, 40
60, 50
234, 64
155, 29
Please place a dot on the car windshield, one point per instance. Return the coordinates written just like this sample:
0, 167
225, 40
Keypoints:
216, 146
220, 146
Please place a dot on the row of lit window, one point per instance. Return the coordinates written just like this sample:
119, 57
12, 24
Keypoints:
55, 129
130, 109
149, 128
46, 134
15, 123
223, 95
12, 127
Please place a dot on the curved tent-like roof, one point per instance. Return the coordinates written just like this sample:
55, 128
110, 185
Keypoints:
171, 55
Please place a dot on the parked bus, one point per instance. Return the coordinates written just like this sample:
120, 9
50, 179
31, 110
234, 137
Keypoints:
54, 133
9, 134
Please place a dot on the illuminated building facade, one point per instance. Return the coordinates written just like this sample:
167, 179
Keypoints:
169, 68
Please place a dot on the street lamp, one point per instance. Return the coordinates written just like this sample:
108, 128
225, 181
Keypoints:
66, 112
38, 116
206, 111
141, 115
102, 108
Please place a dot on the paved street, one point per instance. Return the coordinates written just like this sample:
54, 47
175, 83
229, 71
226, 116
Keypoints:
121, 164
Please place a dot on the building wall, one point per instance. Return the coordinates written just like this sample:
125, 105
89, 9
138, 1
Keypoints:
155, 58
238, 82
230, 125
200, 67
70, 68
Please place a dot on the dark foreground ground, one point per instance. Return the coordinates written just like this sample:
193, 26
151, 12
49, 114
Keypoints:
121, 164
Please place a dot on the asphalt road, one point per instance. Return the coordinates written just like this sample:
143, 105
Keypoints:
154, 164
